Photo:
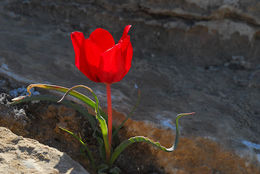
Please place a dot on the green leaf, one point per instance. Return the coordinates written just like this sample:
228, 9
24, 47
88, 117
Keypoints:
102, 168
101, 120
84, 145
73, 93
101, 148
115, 170
77, 107
100, 115
120, 148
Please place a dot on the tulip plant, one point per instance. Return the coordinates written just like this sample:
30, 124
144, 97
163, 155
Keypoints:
102, 61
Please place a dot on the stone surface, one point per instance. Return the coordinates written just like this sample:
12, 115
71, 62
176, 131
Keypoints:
41, 121
23, 155
200, 56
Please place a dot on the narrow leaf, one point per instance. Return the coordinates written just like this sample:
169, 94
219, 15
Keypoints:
120, 148
73, 93
101, 120
84, 145
77, 107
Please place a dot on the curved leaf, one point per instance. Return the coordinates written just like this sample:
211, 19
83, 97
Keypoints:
77, 107
120, 148
75, 94
100, 115
101, 120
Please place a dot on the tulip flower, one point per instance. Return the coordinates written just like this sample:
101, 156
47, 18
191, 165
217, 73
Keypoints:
101, 60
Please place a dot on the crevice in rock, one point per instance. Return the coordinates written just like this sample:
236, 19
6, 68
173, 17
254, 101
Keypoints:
139, 10
221, 14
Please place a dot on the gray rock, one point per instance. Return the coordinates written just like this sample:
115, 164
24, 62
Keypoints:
24, 156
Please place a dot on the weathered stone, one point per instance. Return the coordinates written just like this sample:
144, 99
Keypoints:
14, 118
23, 155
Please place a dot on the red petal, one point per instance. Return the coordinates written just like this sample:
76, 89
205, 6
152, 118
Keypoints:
112, 65
102, 38
92, 54
87, 55
129, 56
127, 53
77, 41
126, 30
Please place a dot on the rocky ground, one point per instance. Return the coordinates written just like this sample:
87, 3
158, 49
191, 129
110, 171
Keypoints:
40, 120
23, 155
200, 56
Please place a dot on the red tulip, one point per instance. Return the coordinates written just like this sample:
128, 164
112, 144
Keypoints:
99, 58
